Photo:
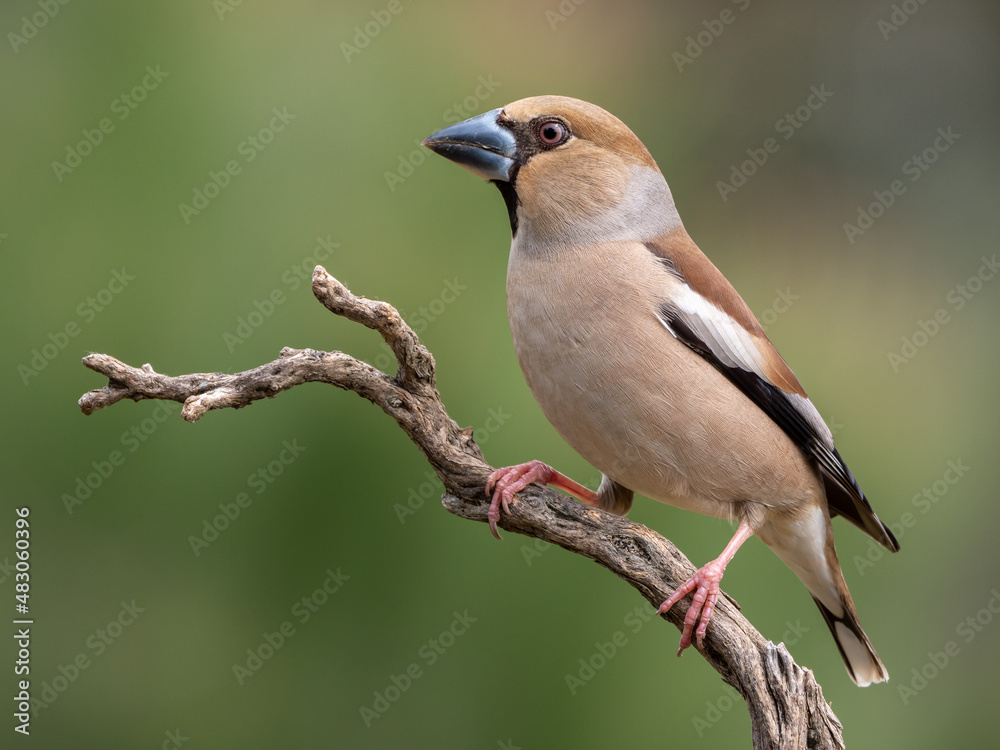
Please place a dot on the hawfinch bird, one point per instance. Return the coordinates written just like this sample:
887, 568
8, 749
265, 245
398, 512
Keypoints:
650, 365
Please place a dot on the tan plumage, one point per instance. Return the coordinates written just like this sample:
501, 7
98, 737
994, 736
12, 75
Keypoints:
649, 363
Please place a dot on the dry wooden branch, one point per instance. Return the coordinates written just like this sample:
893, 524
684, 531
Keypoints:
786, 704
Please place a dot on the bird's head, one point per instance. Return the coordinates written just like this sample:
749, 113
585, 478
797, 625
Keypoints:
568, 170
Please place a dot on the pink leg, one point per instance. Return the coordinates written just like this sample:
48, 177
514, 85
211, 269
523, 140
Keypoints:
705, 584
507, 482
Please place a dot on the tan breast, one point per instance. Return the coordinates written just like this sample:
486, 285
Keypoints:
632, 400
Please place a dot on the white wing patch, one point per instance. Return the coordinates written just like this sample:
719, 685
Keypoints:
746, 359
727, 339
733, 346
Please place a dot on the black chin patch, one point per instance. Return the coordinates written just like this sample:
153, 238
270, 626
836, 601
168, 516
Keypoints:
510, 200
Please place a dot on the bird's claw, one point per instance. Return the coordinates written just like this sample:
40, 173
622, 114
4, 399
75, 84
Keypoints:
705, 585
503, 484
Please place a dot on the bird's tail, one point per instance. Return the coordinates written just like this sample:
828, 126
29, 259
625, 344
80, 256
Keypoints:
806, 546
863, 664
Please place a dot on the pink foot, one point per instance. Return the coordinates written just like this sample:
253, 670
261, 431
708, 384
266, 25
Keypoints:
507, 482
705, 584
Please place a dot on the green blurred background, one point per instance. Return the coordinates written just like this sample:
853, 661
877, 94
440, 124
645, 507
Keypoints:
358, 85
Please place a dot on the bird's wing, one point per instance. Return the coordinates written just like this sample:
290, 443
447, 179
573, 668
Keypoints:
705, 312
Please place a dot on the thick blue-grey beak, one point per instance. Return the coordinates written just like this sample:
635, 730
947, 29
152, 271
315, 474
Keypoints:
479, 144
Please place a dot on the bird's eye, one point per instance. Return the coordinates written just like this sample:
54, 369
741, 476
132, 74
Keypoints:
552, 133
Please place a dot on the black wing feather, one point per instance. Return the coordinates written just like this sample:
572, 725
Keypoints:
844, 496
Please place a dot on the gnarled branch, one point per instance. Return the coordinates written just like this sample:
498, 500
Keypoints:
786, 704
